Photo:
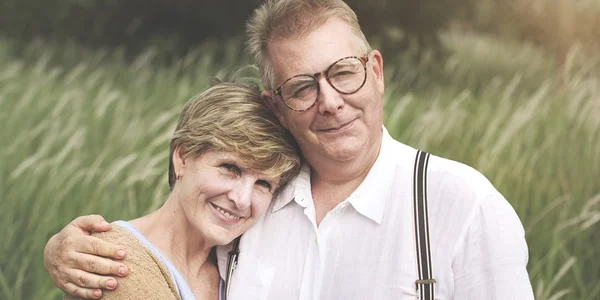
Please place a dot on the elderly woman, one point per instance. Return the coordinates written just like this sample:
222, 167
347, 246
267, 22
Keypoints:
229, 155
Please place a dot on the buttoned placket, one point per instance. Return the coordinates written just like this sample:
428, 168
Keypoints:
312, 275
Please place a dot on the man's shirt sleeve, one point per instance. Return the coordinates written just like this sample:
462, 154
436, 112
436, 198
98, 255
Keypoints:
490, 261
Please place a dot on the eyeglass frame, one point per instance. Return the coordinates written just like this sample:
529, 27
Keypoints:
363, 59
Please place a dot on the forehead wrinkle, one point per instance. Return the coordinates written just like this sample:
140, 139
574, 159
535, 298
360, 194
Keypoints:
300, 67
293, 49
288, 64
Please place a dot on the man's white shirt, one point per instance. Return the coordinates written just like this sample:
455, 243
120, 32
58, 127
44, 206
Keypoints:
365, 247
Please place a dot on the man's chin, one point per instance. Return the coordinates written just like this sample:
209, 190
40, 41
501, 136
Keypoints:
343, 152
341, 148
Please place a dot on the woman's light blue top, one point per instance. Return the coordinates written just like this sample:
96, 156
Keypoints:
184, 290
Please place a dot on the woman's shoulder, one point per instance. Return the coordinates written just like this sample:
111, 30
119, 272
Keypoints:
148, 277
121, 236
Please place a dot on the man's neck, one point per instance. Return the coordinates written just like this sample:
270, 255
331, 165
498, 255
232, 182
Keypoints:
332, 182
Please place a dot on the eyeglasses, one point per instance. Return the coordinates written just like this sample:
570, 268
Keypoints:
347, 75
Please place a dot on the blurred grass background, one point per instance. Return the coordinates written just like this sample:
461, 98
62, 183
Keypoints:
510, 87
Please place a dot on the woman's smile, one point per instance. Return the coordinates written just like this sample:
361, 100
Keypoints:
226, 216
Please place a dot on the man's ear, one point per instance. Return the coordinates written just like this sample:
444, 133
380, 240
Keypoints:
268, 98
377, 66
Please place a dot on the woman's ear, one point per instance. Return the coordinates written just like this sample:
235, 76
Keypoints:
178, 162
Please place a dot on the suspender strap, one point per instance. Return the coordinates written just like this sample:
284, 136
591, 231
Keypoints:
425, 284
232, 260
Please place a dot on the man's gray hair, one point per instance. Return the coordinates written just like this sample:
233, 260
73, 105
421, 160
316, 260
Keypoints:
280, 19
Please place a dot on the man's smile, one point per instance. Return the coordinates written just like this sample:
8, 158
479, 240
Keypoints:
337, 128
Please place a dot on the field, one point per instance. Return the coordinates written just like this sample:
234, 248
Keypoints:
87, 131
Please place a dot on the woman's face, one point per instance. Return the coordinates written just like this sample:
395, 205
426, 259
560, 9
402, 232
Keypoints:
220, 196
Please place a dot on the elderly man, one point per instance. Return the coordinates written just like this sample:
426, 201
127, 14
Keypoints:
368, 217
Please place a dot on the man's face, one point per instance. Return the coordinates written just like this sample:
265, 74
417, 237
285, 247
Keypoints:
338, 127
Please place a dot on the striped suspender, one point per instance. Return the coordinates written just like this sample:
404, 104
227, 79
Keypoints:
231, 264
425, 284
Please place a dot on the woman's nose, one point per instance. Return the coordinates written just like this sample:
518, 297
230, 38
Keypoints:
241, 194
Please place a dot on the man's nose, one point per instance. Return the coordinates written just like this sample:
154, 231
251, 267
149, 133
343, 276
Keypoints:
241, 193
329, 101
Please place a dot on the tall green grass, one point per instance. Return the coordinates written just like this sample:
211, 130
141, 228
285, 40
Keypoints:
87, 132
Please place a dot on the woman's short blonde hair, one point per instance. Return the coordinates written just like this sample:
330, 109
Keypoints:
231, 117
278, 19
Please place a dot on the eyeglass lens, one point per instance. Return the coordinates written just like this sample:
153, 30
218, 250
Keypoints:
346, 76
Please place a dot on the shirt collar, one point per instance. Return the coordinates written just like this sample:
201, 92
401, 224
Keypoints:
369, 199
298, 189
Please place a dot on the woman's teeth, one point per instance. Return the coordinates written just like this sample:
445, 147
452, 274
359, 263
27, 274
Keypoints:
227, 215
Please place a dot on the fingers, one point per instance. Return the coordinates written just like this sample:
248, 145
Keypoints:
96, 246
100, 265
80, 292
82, 279
91, 223
72, 253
